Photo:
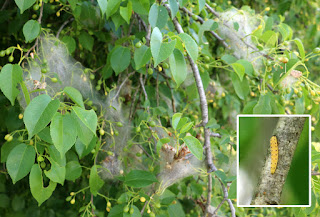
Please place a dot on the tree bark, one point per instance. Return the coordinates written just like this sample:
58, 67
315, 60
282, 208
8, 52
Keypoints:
269, 188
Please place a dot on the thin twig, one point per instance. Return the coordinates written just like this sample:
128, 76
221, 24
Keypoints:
144, 151
133, 102
121, 85
224, 43
5, 5
63, 25
144, 207
315, 173
225, 198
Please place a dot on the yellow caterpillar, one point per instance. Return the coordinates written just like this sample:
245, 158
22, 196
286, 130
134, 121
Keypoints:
274, 153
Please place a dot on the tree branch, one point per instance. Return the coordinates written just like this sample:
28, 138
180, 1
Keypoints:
269, 188
205, 117
63, 25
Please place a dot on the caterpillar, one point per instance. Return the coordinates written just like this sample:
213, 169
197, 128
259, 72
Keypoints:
274, 153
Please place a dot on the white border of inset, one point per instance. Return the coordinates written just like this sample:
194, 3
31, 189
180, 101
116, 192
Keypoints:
273, 116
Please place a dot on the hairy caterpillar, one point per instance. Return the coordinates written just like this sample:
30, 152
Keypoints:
274, 153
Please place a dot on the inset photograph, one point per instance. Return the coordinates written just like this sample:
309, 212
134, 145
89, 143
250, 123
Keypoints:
274, 160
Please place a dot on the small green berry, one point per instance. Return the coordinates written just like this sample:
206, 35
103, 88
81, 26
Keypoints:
2, 53
316, 50
89, 103
36, 7
138, 129
150, 71
101, 132
206, 58
206, 66
8, 51
10, 59
99, 82
119, 124
10, 138
116, 133
126, 209
54, 80
165, 65
92, 76
138, 44
40, 158
152, 124
98, 87
44, 70
131, 210
43, 164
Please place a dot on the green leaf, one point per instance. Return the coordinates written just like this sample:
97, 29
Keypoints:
194, 146
10, 76
25, 91
285, 31
175, 120
45, 135
201, 4
103, 4
56, 156
300, 47
40, 193
160, 51
241, 87
299, 105
31, 30
86, 40
120, 59
84, 133
247, 66
208, 25
20, 161
73, 170
186, 127
24, 4
112, 7
39, 113
88, 118
82, 149
178, 67
139, 178
239, 69
270, 38
158, 16
142, 56
236, 26
174, 8
229, 59
70, 43
161, 142
57, 173
191, 46
6, 149
248, 108
263, 106
141, 6
126, 12
95, 182
176, 210
74, 95
232, 194
63, 132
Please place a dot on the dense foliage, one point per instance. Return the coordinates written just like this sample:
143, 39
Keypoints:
128, 107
